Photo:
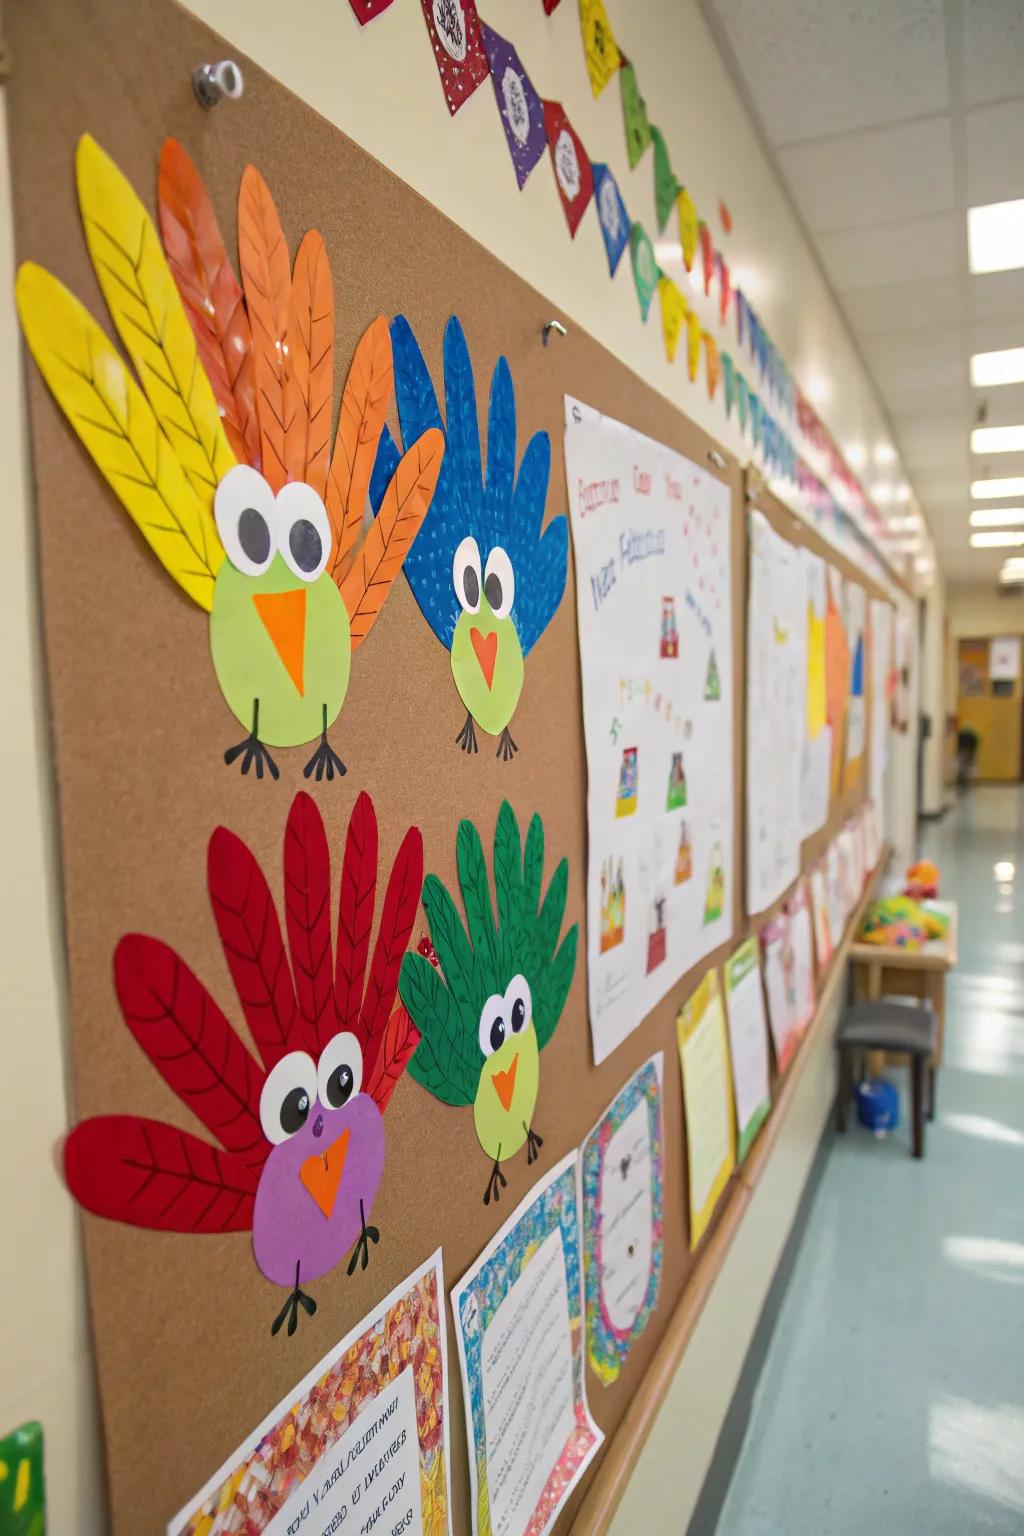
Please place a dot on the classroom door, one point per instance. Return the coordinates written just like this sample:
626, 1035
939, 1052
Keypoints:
989, 702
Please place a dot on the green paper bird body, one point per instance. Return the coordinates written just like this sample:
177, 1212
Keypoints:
487, 997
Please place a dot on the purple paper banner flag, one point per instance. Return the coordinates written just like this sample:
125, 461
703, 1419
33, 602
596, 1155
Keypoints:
520, 108
611, 211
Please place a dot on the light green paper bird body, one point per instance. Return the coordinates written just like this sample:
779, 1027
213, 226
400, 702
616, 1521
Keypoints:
282, 651
488, 667
492, 1002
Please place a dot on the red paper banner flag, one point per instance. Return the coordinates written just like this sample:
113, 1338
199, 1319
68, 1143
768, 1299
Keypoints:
368, 10
549, 6
724, 287
454, 29
574, 176
707, 254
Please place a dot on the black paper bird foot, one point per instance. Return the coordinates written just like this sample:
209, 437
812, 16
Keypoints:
533, 1145
325, 762
507, 748
361, 1251
290, 1310
253, 753
495, 1184
467, 736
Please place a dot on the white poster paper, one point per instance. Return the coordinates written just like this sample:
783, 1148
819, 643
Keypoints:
651, 536
881, 667
1004, 659
776, 689
798, 915
518, 1322
748, 1042
817, 736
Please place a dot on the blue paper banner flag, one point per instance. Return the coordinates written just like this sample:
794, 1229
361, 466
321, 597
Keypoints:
755, 418
611, 211
741, 310
742, 400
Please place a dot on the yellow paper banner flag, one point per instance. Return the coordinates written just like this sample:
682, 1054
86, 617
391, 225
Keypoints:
599, 47
693, 334
673, 314
688, 223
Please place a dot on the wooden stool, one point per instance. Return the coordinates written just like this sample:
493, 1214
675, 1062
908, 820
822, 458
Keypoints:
904, 1027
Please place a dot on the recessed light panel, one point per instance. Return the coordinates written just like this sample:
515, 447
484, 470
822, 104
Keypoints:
997, 540
995, 236
997, 439
1006, 367
998, 517
996, 490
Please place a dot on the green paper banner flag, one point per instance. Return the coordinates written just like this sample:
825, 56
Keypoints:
755, 417
729, 374
645, 267
634, 115
665, 184
742, 400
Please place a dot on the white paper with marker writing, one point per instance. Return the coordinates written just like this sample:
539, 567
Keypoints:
652, 547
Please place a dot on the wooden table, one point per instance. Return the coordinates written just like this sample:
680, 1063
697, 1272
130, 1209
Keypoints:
878, 970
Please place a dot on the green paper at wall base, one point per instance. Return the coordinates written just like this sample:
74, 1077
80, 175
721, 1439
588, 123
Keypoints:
748, 1043
22, 1490
634, 115
646, 274
666, 187
673, 314
707, 1101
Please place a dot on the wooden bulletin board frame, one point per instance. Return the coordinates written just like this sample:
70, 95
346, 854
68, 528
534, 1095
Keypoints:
185, 1358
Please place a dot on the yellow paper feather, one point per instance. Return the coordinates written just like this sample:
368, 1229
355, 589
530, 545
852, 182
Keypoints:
115, 422
150, 318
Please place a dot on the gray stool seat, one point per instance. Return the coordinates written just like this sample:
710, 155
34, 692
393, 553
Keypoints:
910, 1028
889, 1027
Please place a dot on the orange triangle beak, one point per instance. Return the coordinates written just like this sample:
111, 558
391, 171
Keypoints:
486, 648
505, 1083
321, 1173
284, 619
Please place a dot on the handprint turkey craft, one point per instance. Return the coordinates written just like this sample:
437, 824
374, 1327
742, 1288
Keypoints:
486, 577
301, 1132
223, 457
486, 999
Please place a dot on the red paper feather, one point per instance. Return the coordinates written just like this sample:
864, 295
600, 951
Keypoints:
307, 894
191, 1044
153, 1175
250, 932
400, 1040
210, 292
397, 918
356, 901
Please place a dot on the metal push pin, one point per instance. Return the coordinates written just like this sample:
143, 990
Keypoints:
212, 81
553, 325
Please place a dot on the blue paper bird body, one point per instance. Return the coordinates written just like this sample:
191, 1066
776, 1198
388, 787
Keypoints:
485, 576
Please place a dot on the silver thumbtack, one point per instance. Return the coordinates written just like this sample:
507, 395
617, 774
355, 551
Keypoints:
716, 458
212, 81
556, 326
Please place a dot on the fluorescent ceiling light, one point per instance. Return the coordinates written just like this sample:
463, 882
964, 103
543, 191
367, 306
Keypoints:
992, 490
1012, 575
997, 540
997, 517
995, 236
997, 439
1006, 367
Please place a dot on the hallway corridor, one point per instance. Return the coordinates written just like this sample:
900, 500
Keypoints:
892, 1398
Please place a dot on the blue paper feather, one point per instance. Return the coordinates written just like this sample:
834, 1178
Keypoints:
505, 510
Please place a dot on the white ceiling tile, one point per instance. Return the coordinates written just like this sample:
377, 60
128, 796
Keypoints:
993, 49
872, 176
908, 250
1004, 405
923, 359
902, 306
994, 138
997, 296
937, 444
813, 69
921, 404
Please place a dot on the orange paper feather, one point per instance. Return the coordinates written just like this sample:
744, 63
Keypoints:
309, 380
209, 290
266, 281
364, 406
366, 585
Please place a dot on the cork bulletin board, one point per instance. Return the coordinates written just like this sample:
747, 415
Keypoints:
186, 1361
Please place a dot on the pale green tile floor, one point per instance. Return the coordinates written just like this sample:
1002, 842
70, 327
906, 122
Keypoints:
892, 1396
